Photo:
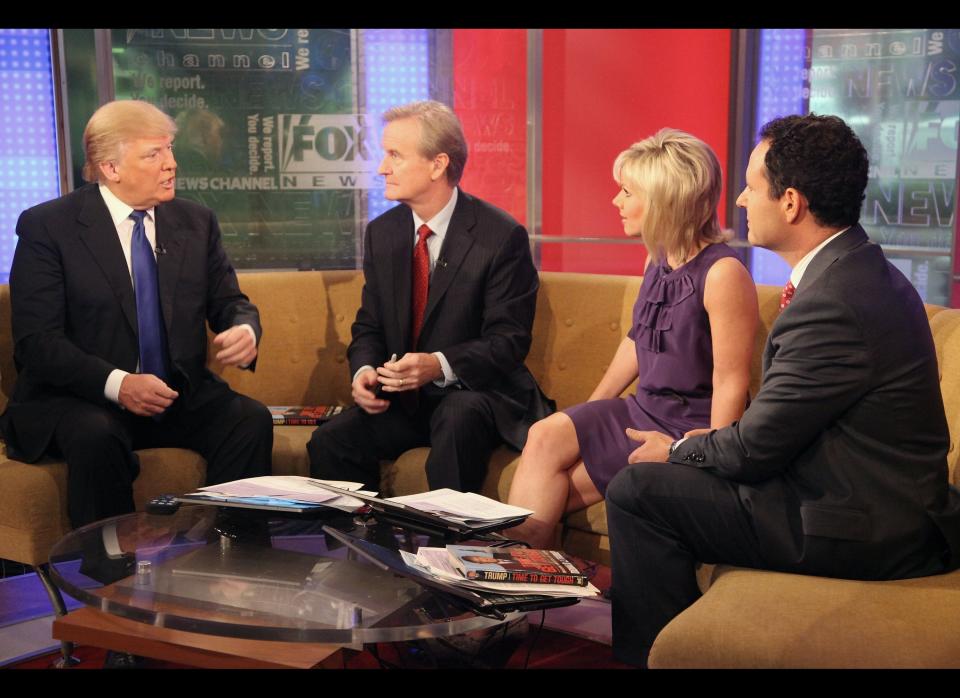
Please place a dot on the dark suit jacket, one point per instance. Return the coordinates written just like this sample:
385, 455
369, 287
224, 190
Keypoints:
480, 308
841, 457
75, 313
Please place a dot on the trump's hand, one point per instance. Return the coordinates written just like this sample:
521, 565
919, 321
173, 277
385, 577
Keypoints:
145, 395
364, 396
409, 373
654, 446
238, 346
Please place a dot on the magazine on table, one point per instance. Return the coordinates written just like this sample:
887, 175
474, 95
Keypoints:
492, 603
303, 415
522, 565
439, 562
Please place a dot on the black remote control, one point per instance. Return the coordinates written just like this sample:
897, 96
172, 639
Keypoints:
164, 504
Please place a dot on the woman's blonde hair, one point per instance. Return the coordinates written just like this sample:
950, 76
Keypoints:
114, 125
680, 179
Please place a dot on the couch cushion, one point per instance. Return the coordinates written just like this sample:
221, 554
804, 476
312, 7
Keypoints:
762, 619
945, 325
407, 474
306, 319
580, 321
290, 450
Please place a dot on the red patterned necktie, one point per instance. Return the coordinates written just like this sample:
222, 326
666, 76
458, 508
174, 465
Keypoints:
421, 282
787, 295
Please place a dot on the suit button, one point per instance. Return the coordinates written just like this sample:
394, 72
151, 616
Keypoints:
339, 359
568, 322
562, 366
339, 318
614, 326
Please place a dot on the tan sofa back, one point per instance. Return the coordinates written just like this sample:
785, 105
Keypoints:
580, 320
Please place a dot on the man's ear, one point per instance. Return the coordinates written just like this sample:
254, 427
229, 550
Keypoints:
440, 164
793, 204
108, 168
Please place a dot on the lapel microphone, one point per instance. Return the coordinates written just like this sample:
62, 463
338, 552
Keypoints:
160, 249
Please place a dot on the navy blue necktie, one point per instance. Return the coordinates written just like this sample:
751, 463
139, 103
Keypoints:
153, 345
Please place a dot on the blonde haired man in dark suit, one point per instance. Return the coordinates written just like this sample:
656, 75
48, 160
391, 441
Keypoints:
112, 286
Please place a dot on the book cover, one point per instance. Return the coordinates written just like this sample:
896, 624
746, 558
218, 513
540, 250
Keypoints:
299, 415
515, 565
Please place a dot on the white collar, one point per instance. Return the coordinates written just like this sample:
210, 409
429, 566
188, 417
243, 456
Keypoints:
440, 222
801, 267
119, 211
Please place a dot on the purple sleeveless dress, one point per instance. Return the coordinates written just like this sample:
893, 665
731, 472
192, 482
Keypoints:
671, 331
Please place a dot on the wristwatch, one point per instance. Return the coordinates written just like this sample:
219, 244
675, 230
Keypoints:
673, 447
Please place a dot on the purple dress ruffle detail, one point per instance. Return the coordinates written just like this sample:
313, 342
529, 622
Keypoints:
671, 331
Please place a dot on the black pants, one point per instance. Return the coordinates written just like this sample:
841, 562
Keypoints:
458, 426
664, 518
232, 432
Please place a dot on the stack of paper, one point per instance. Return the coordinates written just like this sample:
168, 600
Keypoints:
466, 507
437, 561
274, 490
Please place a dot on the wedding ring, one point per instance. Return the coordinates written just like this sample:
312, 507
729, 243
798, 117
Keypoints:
401, 381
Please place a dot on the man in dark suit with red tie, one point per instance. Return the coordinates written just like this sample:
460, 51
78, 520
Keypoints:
112, 286
444, 326
838, 467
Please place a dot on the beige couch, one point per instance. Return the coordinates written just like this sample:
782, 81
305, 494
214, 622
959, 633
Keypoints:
747, 618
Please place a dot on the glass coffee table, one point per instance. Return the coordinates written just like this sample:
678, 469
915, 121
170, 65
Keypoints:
218, 578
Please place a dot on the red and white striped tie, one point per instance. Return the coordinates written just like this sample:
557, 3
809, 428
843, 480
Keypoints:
787, 295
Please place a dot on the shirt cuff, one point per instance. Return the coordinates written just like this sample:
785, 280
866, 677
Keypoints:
111, 390
111, 541
449, 377
361, 370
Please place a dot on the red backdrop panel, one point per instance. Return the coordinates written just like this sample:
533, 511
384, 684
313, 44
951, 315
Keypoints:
490, 97
602, 91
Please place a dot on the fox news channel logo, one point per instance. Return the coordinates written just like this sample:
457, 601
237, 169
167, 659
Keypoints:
326, 151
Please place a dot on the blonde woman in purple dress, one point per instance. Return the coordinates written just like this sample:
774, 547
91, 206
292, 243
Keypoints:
690, 344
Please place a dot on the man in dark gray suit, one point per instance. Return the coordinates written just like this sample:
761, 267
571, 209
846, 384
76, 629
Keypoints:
838, 467
112, 286
444, 326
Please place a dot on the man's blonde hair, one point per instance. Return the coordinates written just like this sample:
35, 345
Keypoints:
680, 179
117, 123
440, 132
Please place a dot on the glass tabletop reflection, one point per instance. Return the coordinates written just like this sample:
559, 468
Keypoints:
250, 574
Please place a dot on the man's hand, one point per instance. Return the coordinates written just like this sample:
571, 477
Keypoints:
145, 395
136, 534
364, 396
409, 373
655, 446
237, 347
